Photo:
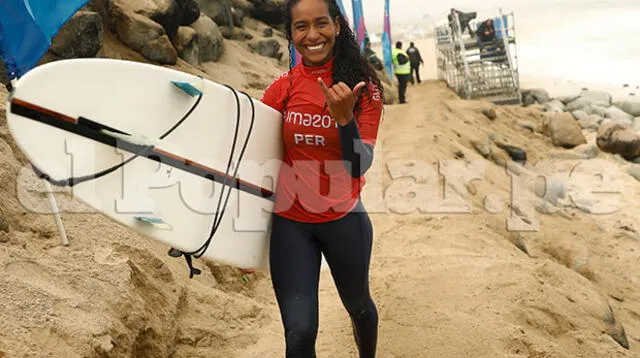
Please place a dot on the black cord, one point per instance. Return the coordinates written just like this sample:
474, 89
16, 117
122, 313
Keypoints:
77, 180
220, 213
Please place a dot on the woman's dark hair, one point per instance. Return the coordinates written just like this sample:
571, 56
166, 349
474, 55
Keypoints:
349, 66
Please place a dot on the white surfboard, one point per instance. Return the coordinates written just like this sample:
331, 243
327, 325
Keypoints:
157, 198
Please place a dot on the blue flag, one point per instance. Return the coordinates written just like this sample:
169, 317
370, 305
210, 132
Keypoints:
386, 41
358, 22
27, 27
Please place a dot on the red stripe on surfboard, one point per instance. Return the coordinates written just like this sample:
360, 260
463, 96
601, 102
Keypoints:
44, 111
233, 181
213, 171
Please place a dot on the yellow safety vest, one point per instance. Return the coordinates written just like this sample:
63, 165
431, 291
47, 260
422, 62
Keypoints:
399, 69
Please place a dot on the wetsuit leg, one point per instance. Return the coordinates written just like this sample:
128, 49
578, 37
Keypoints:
295, 269
346, 244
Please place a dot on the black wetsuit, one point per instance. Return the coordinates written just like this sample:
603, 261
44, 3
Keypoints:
295, 259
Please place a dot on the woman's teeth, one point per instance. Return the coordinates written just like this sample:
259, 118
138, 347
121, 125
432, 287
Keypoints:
315, 48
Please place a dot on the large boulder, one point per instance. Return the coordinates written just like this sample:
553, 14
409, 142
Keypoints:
268, 11
80, 37
267, 48
536, 95
139, 32
630, 107
618, 139
220, 11
597, 98
563, 129
209, 39
186, 43
178, 13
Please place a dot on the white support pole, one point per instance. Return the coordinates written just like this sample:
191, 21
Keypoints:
56, 212
52, 199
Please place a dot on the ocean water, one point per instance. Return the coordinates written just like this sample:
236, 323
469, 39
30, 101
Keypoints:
566, 45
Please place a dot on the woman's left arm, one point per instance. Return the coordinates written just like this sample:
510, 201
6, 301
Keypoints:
356, 154
357, 135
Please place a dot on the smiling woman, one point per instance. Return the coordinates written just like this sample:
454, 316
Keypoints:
331, 103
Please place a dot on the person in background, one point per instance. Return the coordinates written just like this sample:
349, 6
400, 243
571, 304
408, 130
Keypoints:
416, 61
402, 69
371, 55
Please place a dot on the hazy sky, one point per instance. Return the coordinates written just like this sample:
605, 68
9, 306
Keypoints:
403, 11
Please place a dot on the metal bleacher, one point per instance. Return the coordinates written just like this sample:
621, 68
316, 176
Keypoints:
479, 70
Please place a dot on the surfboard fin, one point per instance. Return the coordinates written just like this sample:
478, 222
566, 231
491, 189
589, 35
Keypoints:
190, 89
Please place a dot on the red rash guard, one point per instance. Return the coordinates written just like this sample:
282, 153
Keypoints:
313, 183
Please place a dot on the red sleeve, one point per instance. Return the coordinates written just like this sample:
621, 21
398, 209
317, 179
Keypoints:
370, 114
274, 94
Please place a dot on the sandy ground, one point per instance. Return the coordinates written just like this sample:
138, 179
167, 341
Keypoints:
452, 274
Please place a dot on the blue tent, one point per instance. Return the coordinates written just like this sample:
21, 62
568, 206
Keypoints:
26, 30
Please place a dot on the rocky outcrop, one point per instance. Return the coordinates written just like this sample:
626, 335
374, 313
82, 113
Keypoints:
268, 11
209, 39
140, 32
80, 37
220, 11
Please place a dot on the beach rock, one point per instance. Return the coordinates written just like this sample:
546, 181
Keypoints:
618, 139
237, 15
554, 106
528, 100
634, 171
563, 130
490, 113
535, 95
516, 154
530, 125
240, 34
186, 43
597, 98
80, 37
591, 122
630, 107
190, 12
580, 114
599, 110
578, 104
268, 32
174, 14
209, 38
589, 150
567, 99
267, 48
619, 116
217, 10
268, 11
244, 5
141, 33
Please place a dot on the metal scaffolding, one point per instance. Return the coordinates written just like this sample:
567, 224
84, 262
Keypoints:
477, 69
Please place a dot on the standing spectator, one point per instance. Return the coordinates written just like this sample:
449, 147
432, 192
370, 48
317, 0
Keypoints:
402, 69
416, 61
